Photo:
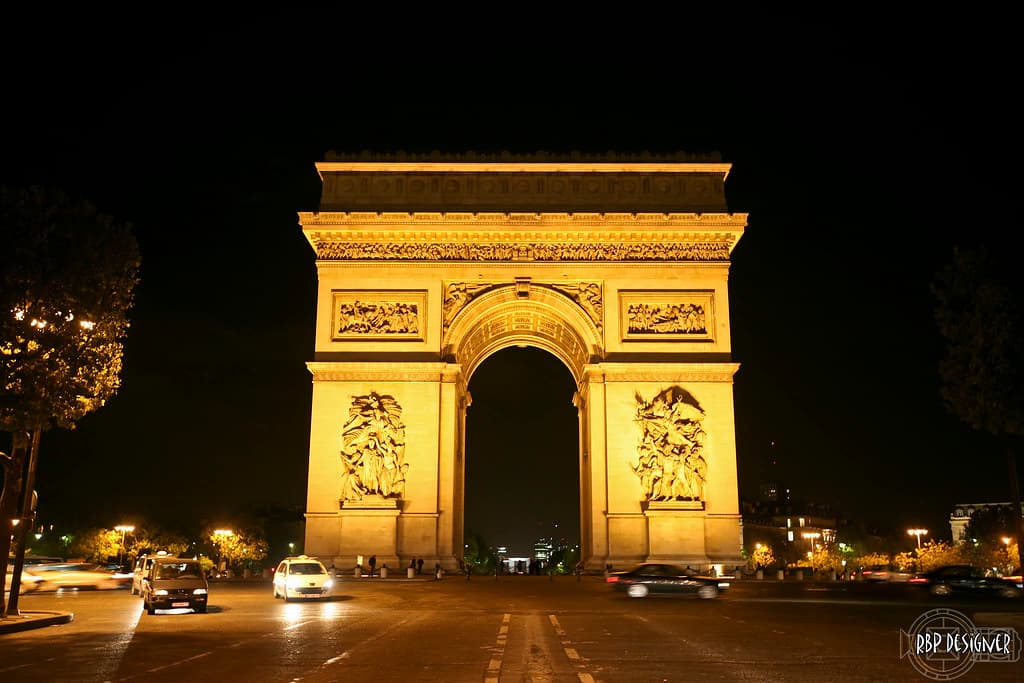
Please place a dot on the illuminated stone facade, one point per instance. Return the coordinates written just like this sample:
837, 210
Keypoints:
617, 266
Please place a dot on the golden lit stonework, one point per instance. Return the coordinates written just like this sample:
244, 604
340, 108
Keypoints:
616, 265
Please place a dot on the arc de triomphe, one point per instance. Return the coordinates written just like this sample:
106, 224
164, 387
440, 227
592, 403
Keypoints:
619, 267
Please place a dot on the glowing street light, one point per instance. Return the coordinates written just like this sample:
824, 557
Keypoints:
811, 536
919, 533
124, 529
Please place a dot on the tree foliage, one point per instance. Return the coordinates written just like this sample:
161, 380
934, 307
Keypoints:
979, 317
68, 280
96, 545
240, 549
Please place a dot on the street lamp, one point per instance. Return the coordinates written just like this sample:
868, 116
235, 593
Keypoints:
919, 533
124, 529
810, 536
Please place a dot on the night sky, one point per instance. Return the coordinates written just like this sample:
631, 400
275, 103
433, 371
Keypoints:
862, 153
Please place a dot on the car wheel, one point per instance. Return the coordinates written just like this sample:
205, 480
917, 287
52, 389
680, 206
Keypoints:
941, 589
637, 590
707, 592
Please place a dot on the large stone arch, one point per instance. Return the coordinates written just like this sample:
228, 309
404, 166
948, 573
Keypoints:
522, 312
619, 268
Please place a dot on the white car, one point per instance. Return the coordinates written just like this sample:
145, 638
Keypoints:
300, 578
29, 581
77, 575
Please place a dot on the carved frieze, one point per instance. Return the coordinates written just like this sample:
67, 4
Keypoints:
376, 315
666, 315
343, 250
670, 450
373, 449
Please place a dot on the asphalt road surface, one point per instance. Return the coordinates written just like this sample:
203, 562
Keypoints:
509, 629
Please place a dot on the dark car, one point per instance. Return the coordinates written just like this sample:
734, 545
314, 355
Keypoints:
173, 583
966, 580
645, 579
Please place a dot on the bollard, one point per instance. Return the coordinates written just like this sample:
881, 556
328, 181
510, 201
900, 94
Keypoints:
799, 574
409, 572
357, 572
781, 575
384, 572
760, 574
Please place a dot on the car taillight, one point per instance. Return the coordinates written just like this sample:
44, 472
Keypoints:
612, 579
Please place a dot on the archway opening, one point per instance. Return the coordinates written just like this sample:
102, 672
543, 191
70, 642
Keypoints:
522, 481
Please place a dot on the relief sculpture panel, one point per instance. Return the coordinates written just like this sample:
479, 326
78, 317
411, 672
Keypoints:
667, 316
373, 449
378, 315
670, 452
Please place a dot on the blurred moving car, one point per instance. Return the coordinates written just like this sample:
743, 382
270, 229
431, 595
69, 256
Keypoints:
29, 582
645, 579
966, 580
78, 575
301, 577
173, 583
881, 572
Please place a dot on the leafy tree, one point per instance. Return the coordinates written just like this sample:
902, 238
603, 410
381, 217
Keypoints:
96, 545
240, 549
151, 539
934, 554
979, 317
762, 557
67, 281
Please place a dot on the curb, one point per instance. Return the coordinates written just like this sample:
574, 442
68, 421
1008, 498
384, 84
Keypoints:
30, 620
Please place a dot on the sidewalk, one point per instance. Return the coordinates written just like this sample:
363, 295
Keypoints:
28, 620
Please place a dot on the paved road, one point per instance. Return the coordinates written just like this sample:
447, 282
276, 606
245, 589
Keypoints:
511, 629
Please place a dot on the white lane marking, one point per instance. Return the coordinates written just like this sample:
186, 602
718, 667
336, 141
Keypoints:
180, 662
494, 665
570, 652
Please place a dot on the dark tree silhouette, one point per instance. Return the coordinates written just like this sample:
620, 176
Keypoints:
979, 317
67, 280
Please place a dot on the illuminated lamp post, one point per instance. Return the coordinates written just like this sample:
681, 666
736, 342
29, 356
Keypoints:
918, 533
124, 529
811, 536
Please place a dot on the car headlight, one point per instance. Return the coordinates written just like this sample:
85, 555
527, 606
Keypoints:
199, 591
328, 583
293, 581
161, 591
723, 585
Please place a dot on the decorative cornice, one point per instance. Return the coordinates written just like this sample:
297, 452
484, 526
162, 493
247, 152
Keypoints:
663, 372
591, 221
507, 157
367, 236
380, 372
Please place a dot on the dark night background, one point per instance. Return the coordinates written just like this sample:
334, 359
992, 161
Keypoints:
862, 151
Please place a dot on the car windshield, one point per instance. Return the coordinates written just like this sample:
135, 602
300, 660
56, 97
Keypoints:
307, 568
179, 570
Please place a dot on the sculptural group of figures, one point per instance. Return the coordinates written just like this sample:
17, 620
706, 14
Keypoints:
373, 449
667, 319
670, 463
360, 317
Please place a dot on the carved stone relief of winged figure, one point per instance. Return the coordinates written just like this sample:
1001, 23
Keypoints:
670, 451
373, 449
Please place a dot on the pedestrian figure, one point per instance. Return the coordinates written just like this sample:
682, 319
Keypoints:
412, 564
437, 570
373, 564
419, 566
